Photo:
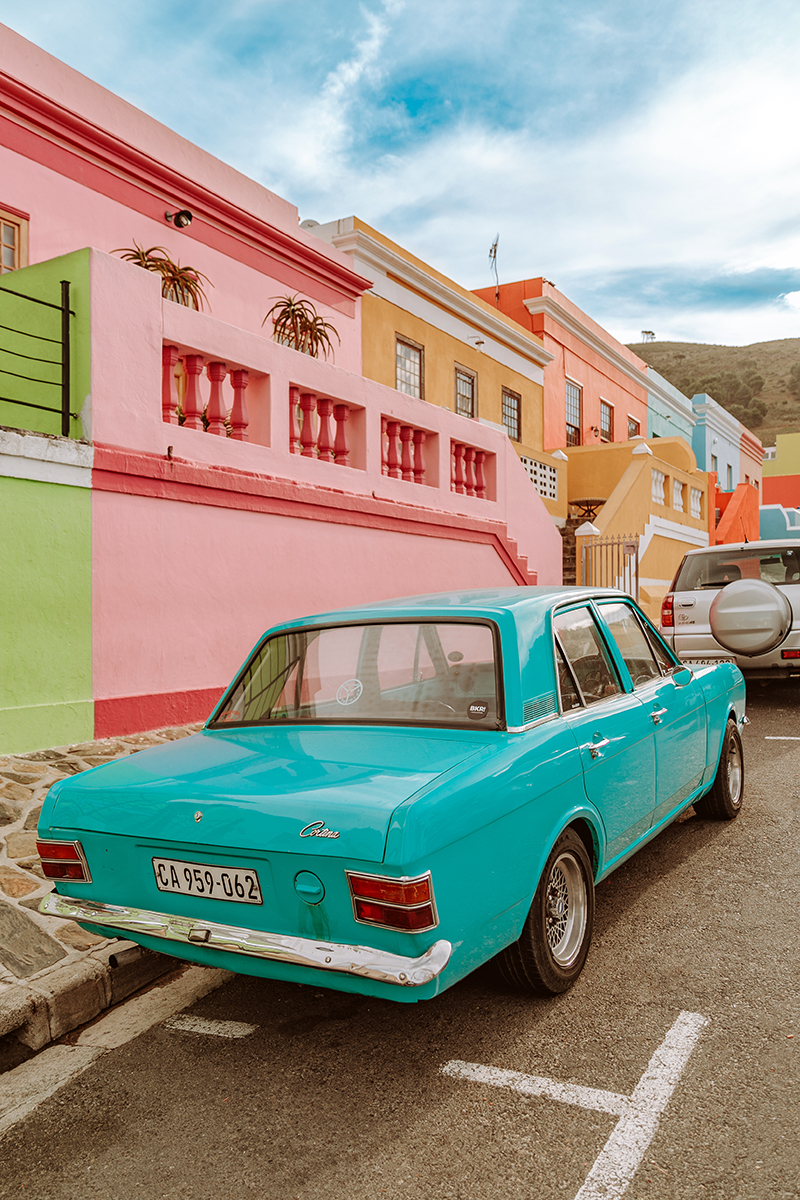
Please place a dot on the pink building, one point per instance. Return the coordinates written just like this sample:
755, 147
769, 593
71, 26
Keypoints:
595, 389
332, 489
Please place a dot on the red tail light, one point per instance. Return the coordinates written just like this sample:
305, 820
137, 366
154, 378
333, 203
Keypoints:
790, 653
64, 860
405, 904
667, 614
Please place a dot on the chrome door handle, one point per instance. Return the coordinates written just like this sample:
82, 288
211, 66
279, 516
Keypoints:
594, 748
657, 714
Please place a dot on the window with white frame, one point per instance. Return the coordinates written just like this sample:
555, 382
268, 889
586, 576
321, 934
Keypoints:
13, 241
634, 428
465, 392
657, 487
574, 398
543, 477
714, 463
677, 495
696, 502
730, 479
409, 368
606, 422
512, 414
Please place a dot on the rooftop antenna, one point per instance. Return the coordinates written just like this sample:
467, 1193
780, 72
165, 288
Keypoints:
493, 265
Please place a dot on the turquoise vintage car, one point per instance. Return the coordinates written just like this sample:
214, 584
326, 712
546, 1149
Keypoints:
389, 796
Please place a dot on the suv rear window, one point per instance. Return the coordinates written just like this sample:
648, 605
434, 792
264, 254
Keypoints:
699, 572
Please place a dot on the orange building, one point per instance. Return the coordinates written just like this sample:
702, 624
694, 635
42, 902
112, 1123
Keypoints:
595, 389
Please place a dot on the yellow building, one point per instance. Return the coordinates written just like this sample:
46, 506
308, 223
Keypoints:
425, 335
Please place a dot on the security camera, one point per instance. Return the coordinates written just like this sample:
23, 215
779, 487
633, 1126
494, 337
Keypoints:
181, 219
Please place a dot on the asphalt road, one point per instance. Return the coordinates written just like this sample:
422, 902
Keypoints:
329, 1096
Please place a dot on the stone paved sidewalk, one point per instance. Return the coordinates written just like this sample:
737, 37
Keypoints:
45, 956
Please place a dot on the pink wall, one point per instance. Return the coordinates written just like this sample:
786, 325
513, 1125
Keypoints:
182, 591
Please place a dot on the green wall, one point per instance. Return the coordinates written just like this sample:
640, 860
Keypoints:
46, 606
43, 281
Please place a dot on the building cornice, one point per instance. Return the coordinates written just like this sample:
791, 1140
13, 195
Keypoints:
752, 444
548, 307
379, 258
46, 118
718, 419
657, 389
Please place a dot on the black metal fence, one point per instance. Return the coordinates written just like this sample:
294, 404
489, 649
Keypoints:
56, 346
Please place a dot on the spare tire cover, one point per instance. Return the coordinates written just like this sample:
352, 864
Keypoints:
750, 616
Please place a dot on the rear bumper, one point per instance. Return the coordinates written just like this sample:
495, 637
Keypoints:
274, 947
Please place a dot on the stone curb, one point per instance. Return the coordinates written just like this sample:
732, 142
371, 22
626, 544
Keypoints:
54, 976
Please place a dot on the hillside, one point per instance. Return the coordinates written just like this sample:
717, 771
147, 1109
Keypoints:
683, 363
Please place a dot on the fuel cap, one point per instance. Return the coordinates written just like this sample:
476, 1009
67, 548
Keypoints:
309, 887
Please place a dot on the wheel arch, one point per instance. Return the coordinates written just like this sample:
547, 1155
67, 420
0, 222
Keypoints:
589, 835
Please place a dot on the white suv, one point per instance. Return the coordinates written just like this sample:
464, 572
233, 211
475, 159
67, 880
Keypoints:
685, 610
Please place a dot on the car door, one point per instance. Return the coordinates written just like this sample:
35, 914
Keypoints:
675, 706
613, 728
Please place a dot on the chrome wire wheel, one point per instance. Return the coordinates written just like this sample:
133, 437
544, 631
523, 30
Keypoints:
566, 909
735, 771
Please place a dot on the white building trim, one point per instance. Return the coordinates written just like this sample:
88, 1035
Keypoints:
433, 301
45, 459
661, 527
549, 307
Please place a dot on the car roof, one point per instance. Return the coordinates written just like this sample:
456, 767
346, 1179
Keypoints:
476, 602
728, 547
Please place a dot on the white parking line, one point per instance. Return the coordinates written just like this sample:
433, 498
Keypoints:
781, 738
639, 1113
226, 1029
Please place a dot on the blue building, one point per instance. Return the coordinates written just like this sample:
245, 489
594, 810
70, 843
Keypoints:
669, 412
716, 441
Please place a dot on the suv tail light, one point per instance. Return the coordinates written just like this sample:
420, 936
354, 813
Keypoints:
667, 614
64, 860
389, 903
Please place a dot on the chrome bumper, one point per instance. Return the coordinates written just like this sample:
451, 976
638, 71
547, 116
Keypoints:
273, 947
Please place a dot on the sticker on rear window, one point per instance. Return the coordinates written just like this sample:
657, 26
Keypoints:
477, 710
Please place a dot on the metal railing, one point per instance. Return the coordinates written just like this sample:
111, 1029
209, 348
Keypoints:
61, 362
611, 562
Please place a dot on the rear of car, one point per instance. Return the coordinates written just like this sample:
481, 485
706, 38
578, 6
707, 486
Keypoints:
686, 608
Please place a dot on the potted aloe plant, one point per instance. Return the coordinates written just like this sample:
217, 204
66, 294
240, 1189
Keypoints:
182, 284
297, 323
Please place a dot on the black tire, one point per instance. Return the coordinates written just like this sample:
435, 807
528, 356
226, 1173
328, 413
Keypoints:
554, 943
724, 801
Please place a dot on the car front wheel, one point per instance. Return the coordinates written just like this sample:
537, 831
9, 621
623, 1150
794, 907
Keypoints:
551, 951
724, 801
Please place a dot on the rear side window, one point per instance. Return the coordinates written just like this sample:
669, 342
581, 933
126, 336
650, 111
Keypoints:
713, 570
587, 655
632, 643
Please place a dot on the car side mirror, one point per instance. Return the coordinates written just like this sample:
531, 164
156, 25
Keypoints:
681, 676
750, 617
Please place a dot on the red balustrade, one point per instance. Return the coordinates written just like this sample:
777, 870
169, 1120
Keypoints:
320, 441
341, 449
239, 419
324, 443
467, 470
214, 417
294, 424
402, 451
169, 384
216, 413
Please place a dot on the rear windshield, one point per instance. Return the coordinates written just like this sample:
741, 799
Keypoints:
716, 568
427, 673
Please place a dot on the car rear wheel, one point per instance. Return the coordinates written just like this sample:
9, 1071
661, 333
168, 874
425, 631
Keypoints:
551, 951
724, 801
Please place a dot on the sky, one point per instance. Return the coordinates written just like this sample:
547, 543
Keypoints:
642, 155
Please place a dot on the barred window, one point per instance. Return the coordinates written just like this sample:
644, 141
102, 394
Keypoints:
543, 477
606, 422
465, 392
512, 410
634, 428
409, 377
574, 394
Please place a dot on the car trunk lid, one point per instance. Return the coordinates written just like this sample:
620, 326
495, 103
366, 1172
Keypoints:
323, 790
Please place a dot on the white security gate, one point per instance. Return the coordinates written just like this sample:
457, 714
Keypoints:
611, 562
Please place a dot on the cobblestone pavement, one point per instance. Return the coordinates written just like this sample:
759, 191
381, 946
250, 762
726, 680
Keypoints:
36, 951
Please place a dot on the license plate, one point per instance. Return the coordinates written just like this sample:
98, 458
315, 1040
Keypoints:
199, 879
706, 662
